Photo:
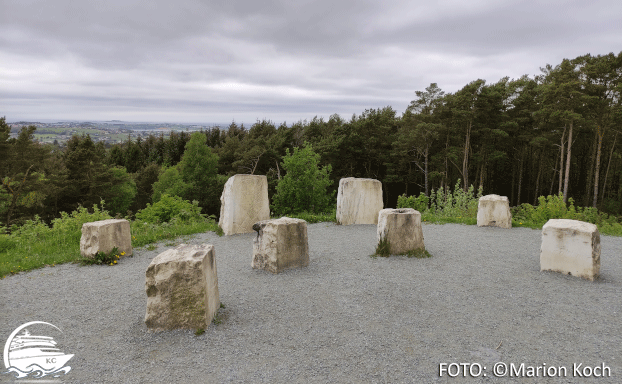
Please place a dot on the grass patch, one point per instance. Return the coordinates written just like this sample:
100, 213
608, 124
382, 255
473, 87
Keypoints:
420, 253
217, 320
315, 217
36, 244
383, 249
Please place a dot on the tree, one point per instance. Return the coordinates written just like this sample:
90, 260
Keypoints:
21, 163
144, 179
420, 128
255, 151
463, 108
170, 182
563, 100
303, 188
603, 77
198, 169
125, 192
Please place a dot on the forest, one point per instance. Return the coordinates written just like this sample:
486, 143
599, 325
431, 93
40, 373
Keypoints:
554, 133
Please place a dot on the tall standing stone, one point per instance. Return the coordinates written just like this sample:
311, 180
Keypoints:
572, 247
244, 201
359, 201
182, 288
104, 236
402, 229
280, 244
494, 211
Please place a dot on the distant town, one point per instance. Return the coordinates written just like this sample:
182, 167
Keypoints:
110, 132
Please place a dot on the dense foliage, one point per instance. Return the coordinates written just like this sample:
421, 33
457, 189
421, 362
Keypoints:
304, 186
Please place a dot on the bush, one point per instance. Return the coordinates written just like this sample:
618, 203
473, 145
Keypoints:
68, 228
303, 188
553, 207
420, 203
444, 204
168, 208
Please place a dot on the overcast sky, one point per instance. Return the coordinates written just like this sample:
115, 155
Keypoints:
225, 60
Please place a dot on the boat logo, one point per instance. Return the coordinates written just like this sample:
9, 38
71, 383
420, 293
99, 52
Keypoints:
27, 355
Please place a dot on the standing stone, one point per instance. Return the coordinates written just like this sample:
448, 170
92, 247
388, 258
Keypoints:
572, 247
359, 201
494, 211
182, 288
244, 201
280, 244
402, 229
104, 235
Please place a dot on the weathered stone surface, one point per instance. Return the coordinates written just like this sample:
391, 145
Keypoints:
359, 201
280, 244
104, 235
182, 288
244, 201
572, 247
402, 228
494, 211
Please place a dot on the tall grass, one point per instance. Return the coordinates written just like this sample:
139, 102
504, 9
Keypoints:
445, 205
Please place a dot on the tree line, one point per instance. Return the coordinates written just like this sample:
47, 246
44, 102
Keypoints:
556, 132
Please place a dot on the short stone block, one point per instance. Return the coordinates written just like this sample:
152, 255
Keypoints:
572, 247
280, 244
244, 201
494, 211
104, 235
402, 228
182, 288
359, 201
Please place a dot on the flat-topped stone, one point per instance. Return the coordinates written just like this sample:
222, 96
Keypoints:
280, 244
104, 236
244, 201
494, 211
402, 229
572, 247
359, 201
182, 288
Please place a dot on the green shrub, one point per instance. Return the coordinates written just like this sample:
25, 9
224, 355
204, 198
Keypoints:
553, 207
445, 206
303, 188
444, 203
168, 208
68, 227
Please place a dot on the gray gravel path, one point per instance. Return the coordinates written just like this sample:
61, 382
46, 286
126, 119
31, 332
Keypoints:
346, 318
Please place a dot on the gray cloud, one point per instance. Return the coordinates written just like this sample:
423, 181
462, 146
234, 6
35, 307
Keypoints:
217, 61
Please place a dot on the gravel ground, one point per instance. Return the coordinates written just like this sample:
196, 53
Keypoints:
346, 318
